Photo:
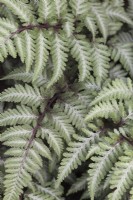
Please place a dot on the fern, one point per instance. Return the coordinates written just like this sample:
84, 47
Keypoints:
124, 54
27, 95
66, 99
22, 36
100, 60
118, 90
118, 13
76, 153
59, 56
123, 177
101, 19
80, 51
102, 164
80, 184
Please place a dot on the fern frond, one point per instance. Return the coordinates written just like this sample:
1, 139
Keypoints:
118, 89
16, 132
121, 179
104, 110
70, 104
76, 154
45, 10
59, 56
130, 8
100, 60
20, 74
3, 50
79, 7
62, 123
114, 27
25, 162
30, 48
26, 95
85, 98
93, 84
69, 25
94, 149
20, 115
24, 13
41, 148
117, 72
60, 7
79, 185
75, 112
24, 158
102, 163
8, 48
4, 32
5, 12
51, 192
125, 37
8, 24
123, 53
45, 192
119, 13
101, 19
53, 138
20, 46
90, 23
80, 50
42, 53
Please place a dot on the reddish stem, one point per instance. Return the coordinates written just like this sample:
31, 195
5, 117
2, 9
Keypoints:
46, 26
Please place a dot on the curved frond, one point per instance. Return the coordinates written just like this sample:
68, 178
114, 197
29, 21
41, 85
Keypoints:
102, 163
18, 8
90, 23
75, 112
30, 49
53, 138
118, 89
104, 110
26, 95
62, 123
123, 53
8, 24
42, 53
100, 60
79, 185
121, 179
24, 159
60, 7
69, 25
79, 7
20, 74
76, 154
45, 192
45, 10
120, 14
59, 57
101, 19
20, 115
20, 46
80, 50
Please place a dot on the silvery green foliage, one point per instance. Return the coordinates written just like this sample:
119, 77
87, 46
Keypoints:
68, 109
45, 27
